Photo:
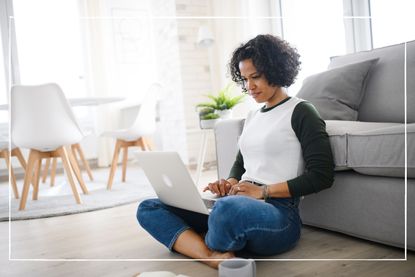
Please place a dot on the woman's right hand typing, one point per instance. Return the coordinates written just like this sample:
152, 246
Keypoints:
221, 187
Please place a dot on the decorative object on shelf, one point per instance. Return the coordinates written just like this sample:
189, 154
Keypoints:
221, 104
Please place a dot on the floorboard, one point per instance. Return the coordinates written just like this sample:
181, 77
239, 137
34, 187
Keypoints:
108, 235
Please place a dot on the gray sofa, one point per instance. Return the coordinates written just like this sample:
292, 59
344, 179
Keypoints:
367, 199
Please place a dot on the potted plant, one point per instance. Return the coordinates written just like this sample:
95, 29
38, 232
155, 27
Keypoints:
223, 103
208, 118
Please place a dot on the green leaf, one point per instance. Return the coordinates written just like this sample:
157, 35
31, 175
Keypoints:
223, 100
206, 110
209, 116
207, 105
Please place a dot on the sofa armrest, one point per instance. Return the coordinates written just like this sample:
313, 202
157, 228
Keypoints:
227, 133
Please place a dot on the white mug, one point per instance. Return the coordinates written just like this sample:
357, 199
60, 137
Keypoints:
237, 267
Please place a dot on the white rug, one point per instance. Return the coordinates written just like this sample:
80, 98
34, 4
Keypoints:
59, 200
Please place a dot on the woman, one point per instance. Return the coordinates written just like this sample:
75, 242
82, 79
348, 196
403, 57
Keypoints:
284, 154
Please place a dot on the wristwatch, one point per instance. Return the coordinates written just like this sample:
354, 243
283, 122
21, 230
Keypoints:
265, 193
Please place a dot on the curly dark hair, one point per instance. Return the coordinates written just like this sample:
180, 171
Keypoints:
272, 56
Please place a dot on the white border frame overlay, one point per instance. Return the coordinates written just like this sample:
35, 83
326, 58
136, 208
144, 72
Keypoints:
187, 260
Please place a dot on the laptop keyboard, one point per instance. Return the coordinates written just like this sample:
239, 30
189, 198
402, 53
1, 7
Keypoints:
209, 203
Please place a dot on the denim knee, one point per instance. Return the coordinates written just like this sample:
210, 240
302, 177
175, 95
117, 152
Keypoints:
240, 222
226, 221
225, 207
144, 207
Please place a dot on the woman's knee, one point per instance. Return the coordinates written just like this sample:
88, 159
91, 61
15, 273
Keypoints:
228, 210
235, 204
145, 208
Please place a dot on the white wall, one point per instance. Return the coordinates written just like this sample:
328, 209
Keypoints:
195, 70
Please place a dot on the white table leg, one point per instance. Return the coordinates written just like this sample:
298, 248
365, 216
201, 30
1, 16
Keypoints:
201, 157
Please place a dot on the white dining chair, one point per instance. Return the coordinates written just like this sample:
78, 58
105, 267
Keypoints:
6, 154
135, 136
79, 156
43, 121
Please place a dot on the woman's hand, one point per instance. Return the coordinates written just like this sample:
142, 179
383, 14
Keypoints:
247, 189
221, 187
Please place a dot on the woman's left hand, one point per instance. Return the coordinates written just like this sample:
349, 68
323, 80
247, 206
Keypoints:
247, 189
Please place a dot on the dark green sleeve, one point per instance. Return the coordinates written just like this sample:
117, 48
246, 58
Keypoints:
319, 166
238, 167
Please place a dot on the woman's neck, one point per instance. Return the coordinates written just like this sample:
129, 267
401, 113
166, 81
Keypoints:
278, 96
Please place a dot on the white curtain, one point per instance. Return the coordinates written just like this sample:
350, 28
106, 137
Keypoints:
98, 82
130, 49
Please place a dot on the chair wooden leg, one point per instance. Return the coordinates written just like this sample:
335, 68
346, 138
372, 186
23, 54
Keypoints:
76, 170
67, 167
140, 142
77, 148
33, 157
53, 171
16, 152
14, 183
38, 169
124, 163
114, 163
5, 155
45, 170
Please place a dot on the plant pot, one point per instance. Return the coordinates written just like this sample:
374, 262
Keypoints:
224, 114
208, 123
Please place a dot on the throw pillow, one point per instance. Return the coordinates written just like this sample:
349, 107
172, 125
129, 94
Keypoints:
337, 93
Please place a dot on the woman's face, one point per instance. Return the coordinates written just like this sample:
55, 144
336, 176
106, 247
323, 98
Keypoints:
256, 84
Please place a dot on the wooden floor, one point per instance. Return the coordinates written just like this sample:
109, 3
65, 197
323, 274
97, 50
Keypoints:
111, 243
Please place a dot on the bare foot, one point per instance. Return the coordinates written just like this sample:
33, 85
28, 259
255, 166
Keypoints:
220, 256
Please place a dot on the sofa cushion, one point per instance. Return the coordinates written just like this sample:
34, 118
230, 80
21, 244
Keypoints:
337, 93
338, 131
382, 151
384, 97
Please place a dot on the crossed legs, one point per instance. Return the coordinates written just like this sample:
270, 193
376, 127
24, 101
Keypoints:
236, 223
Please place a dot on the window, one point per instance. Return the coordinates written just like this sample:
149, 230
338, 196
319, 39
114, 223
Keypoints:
49, 44
392, 21
316, 29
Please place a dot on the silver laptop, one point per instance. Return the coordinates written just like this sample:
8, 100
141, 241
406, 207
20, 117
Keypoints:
172, 182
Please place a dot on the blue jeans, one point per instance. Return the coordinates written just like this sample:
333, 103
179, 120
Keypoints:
235, 223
